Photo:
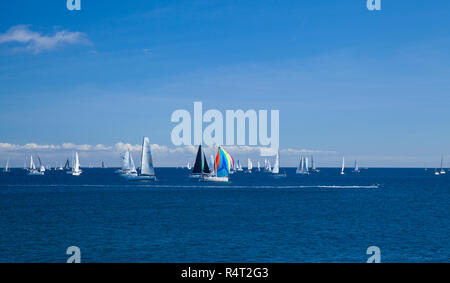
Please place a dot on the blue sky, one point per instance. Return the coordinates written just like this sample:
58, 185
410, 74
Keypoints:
347, 81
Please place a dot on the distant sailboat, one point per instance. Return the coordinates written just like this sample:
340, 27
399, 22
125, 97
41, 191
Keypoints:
249, 166
343, 166
302, 168
6, 170
200, 166
103, 165
356, 169
33, 170
147, 170
222, 167
76, 171
188, 166
259, 166
239, 167
313, 166
442, 171
276, 168
67, 165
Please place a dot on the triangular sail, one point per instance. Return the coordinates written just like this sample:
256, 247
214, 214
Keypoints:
343, 165
249, 165
276, 167
198, 161
32, 166
132, 166
205, 165
77, 163
126, 161
7, 165
356, 165
67, 165
146, 159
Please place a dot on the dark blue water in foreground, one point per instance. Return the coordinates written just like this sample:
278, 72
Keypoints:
255, 218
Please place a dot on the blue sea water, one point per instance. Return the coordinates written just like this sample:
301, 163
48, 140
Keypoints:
322, 217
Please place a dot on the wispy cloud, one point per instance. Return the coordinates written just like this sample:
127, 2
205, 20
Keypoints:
36, 42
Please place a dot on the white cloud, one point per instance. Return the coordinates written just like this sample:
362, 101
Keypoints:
163, 155
36, 42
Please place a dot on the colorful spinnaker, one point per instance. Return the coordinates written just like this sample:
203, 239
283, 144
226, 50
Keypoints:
224, 163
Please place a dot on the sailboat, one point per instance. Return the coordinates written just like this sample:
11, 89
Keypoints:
239, 167
33, 170
188, 166
6, 170
147, 170
343, 166
222, 167
276, 169
76, 171
259, 166
249, 166
442, 172
200, 165
356, 169
436, 172
313, 166
67, 165
302, 167
103, 165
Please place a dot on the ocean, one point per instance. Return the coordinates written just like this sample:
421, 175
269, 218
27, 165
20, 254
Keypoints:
323, 217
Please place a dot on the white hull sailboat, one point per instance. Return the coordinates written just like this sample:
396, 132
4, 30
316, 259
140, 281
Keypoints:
442, 171
147, 170
76, 171
128, 168
356, 169
313, 166
249, 166
222, 167
201, 167
343, 166
302, 167
6, 170
33, 171
276, 169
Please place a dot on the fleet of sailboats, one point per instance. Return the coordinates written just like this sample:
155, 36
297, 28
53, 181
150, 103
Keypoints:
223, 165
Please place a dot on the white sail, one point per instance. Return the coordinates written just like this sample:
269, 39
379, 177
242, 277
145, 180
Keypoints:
146, 159
313, 164
259, 166
276, 167
356, 166
213, 163
343, 166
32, 166
126, 161
269, 167
132, 166
249, 165
77, 163
7, 166
306, 164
